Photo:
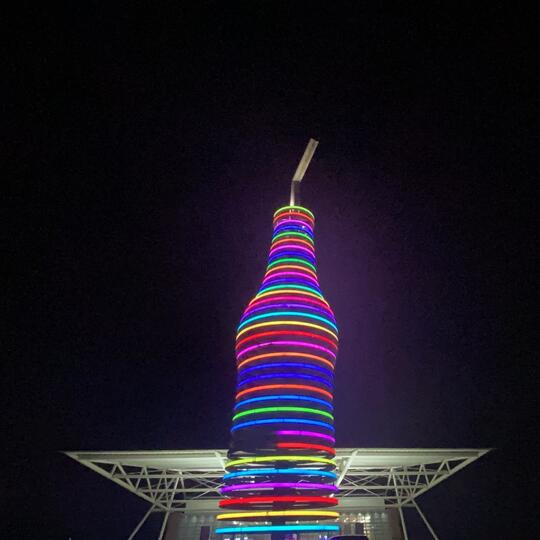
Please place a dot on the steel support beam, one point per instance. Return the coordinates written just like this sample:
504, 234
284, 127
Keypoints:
424, 519
168, 512
400, 509
183, 480
141, 523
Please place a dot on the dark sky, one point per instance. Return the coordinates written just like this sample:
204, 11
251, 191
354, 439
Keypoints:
148, 148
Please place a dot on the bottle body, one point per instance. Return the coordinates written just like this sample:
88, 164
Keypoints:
281, 473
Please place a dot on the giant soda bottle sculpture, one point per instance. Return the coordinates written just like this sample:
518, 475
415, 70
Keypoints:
280, 476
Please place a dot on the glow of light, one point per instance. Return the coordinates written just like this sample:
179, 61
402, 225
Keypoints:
275, 528
287, 230
284, 376
328, 373
293, 250
280, 386
264, 459
286, 333
278, 485
288, 305
289, 269
285, 209
283, 421
292, 222
292, 225
284, 271
280, 513
301, 294
284, 397
306, 220
292, 282
286, 364
269, 284
285, 313
293, 260
279, 276
328, 501
301, 297
271, 472
306, 434
306, 344
284, 229
287, 323
302, 236
288, 213
303, 257
295, 288
283, 409
305, 446
296, 241
288, 354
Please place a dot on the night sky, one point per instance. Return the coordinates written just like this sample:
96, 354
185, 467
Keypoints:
147, 149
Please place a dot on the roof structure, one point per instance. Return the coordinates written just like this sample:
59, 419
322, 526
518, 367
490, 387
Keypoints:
177, 480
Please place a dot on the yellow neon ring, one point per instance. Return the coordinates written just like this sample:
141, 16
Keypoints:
264, 459
296, 291
279, 268
292, 323
276, 513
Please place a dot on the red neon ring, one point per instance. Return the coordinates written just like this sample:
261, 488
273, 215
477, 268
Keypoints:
330, 501
306, 445
287, 333
279, 386
295, 212
289, 213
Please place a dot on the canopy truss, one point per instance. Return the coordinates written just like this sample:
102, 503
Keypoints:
172, 481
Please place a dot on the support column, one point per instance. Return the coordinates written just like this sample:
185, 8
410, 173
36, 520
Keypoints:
168, 512
400, 509
141, 523
424, 519
403, 526
163, 525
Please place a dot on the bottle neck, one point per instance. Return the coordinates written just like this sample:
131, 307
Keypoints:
292, 253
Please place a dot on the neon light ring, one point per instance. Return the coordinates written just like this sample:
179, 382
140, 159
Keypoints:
280, 475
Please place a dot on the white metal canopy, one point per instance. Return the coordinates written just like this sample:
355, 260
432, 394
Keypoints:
176, 480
